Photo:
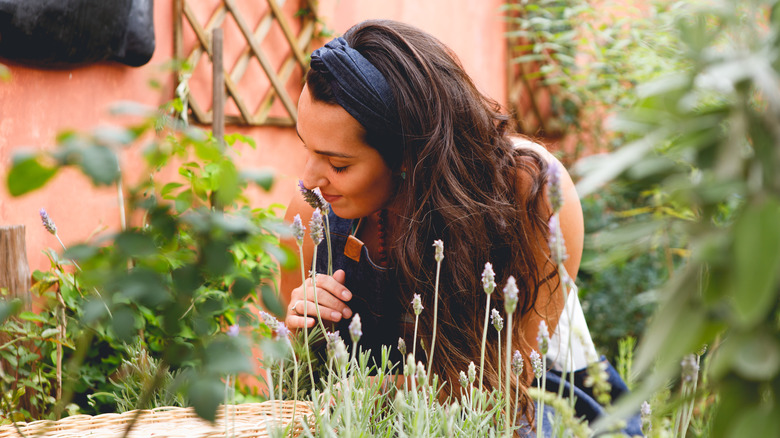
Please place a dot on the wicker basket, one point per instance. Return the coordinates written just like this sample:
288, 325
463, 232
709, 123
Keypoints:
243, 421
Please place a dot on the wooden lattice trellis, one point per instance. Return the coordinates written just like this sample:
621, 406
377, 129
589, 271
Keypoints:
253, 38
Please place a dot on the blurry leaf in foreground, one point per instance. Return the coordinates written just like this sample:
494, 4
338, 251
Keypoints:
27, 174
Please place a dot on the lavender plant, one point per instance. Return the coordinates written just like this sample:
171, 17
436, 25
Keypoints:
488, 285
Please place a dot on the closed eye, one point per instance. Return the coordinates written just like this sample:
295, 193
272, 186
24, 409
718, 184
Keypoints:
338, 169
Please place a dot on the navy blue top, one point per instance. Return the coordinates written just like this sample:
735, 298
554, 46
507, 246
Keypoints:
374, 293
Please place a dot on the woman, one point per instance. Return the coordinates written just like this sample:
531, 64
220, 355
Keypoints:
406, 150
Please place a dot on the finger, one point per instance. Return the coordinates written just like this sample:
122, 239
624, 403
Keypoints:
324, 298
297, 322
310, 309
335, 285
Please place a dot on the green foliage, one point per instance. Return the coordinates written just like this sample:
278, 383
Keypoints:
587, 59
707, 138
198, 261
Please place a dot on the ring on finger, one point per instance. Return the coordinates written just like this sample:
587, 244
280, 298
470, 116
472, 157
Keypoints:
294, 307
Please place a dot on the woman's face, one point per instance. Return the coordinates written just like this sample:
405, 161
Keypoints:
351, 175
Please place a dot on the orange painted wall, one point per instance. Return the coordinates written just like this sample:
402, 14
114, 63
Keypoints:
37, 104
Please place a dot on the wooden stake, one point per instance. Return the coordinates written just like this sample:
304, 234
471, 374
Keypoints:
14, 269
218, 104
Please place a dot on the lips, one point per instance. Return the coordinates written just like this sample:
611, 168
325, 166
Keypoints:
331, 198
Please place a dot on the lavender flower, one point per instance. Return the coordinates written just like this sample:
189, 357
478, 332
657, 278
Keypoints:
299, 231
543, 337
536, 363
420, 373
439, 245
690, 368
464, 381
599, 380
645, 412
472, 372
488, 279
313, 198
402, 346
331, 338
510, 295
232, 331
316, 227
339, 353
282, 332
496, 320
517, 363
269, 320
355, 329
417, 304
557, 246
554, 192
48, 223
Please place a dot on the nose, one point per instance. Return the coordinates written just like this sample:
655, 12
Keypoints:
313, 173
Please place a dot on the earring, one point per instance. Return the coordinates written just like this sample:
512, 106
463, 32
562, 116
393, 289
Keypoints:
403, 173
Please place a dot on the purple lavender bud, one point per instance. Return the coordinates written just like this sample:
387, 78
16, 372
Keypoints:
496, 320
269, 320
48, 223
517, 363
313, 197
554, 192
488, 279
417, 304
331, 338
510, 295
690, 368
464, 381
355, 329
439, 245
472, 372
282, 332
402, 346
557, 246
299, 231
645, 415
536, 363
645, 411
339, 353
232, 331
316, 227
543, 337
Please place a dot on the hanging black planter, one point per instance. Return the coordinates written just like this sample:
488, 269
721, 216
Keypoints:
63, 33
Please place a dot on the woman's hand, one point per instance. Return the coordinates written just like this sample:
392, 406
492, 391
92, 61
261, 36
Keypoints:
331, 295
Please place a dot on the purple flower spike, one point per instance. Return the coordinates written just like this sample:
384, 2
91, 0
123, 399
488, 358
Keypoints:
554, 192
48, 223
232, 331
313, 198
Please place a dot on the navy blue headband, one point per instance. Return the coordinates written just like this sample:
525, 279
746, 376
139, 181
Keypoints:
358, 87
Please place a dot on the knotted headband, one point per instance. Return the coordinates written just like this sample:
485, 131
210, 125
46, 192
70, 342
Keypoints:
358, 87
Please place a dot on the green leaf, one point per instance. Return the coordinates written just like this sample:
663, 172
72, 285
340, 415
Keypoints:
168, 188
271, 301
758, 357
80, 252
27, 174
123, 324
228, 183
205, 394
100, 164
9, 308
242, 287
30, 316
49, 333
135, 244
757, 261
262, 177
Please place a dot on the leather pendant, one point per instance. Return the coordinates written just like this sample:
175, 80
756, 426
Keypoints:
353, 248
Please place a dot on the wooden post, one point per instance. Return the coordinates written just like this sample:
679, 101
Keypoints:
14, 269
218, 104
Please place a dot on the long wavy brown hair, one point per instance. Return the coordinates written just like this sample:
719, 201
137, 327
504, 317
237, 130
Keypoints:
462, 186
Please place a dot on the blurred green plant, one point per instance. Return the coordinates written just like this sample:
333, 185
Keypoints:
198, 261
707, 138
575, 63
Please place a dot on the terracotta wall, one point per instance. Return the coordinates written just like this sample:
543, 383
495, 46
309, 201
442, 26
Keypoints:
37, 104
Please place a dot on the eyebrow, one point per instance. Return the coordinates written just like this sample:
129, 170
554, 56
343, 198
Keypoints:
321, 152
